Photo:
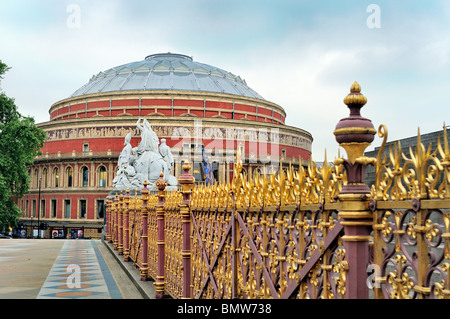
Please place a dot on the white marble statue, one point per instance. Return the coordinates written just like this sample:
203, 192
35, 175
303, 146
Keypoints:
144, 162
127, 176
166, 153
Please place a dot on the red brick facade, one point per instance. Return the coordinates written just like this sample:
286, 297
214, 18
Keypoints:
85, 136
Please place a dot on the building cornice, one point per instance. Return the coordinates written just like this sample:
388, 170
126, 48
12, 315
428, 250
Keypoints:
173, 121
166, 94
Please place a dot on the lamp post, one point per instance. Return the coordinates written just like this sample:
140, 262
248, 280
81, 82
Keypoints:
39, 207
32, 230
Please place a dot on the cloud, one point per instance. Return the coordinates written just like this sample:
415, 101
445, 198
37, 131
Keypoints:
402, 69
298, 54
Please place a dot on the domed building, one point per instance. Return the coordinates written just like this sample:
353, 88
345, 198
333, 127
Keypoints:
203, 113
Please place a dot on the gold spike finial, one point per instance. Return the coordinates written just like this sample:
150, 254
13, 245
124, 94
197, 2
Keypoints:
355, 97
355, 88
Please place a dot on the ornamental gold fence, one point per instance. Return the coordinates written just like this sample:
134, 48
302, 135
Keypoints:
410, 203
306, 232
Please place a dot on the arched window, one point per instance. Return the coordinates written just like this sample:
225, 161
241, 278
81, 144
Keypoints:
36, 178
256, 172
69, 172
102, 176
45, 175
215, 169
56, 177
85, 176
31, 178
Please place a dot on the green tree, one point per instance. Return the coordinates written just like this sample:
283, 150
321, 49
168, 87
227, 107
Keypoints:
20, 141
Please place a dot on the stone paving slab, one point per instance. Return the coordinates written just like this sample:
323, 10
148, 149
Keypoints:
77, 273
146, 288
61, 269
24, 266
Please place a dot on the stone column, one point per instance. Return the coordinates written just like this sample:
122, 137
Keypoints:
354, 134
144, 237
221, 172
126, 217
76, 176
187, 182
161, 185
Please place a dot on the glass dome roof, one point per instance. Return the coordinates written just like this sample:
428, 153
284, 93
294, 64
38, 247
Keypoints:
167, 71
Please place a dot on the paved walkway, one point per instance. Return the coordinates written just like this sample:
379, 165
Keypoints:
79, 272
62, 269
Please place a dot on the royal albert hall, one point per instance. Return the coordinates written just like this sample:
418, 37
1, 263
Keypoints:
200, 110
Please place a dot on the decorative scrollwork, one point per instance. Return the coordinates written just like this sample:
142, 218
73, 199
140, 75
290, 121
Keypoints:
340, 268
421, 174
401, 282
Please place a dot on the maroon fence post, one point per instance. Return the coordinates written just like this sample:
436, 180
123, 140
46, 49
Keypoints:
354, 134
144, 237
111, 220
116, 222
108, 219
126, 216
120, 212
187, 182
160, 185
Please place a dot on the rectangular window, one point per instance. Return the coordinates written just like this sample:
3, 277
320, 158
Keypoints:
27, 208
54, 206
34, 208
100, 209
42, 208
67, 208
198, 171
182, 163
86, 148
186, 149
82, 208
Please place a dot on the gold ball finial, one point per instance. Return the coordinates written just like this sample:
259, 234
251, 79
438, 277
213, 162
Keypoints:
161, 184
144, 190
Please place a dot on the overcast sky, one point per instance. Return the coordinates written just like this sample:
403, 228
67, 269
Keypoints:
302, 55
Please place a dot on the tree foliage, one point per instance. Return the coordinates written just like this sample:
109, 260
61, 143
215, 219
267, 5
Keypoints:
20, 141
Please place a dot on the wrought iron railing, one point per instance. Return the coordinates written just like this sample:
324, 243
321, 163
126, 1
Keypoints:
410, 201
306, 232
